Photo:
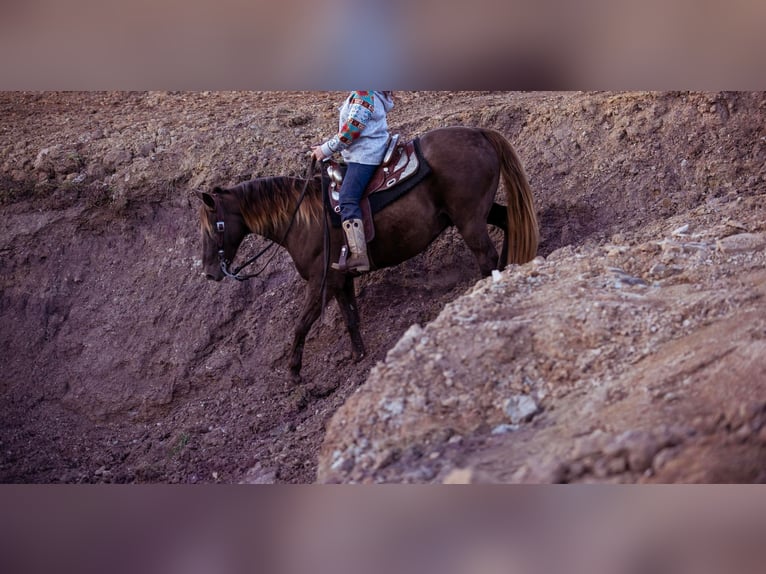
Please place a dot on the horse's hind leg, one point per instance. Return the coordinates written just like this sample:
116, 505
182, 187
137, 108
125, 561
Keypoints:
498, 216
350, 311
311, 310
477, 238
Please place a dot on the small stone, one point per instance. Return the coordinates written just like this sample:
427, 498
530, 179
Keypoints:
259, 475
407, 342
585, 445
601, 468
520, 408
639, 447
662, 271
504, 429
459, 476
617, 465
663, 457
735, 224
741, 242
385, 458
146, 149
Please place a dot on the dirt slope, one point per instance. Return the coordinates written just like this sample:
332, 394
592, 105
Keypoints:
121, 364
643, 360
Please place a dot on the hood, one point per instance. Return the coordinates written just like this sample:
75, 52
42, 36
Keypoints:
388, 102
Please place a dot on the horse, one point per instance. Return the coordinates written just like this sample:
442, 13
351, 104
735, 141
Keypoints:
466, 167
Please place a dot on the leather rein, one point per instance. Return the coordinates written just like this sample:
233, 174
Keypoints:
220, 230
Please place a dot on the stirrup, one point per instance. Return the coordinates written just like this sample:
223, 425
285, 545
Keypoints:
344, 266
341, 264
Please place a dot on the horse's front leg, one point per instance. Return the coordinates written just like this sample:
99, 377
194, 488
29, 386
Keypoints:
311, 311
347, 303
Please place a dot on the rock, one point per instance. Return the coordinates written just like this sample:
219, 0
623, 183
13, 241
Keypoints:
406, 342
520, 408
741, 242
504, 429
626, 279
58, 161
664, 456
468, 475
259, 475
146, 149
638, 447
459, 476
662, 271
589, 444
116, 158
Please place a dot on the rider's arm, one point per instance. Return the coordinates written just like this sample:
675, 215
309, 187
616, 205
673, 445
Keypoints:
361, 107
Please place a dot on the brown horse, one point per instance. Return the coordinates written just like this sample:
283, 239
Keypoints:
466, 166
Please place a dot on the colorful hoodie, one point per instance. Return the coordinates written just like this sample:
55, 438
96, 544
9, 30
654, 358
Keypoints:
362, 129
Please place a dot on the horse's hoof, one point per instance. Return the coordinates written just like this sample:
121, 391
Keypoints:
321, 391
299, 399
358, 356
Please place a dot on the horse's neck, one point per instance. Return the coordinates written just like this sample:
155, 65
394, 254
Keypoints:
277, 211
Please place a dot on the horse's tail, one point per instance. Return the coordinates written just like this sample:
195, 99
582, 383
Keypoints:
523, 233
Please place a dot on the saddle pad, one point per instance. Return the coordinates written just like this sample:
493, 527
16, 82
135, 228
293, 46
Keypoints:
404, 163
377, 195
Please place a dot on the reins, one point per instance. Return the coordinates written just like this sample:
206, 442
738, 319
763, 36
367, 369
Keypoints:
220, 227
325, 247
236, 273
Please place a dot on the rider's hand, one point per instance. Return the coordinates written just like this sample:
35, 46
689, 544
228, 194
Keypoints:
317, 154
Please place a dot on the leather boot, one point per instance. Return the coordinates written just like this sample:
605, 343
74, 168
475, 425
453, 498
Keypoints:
357, 260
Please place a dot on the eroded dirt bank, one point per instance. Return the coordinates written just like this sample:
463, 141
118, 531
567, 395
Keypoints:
638, 331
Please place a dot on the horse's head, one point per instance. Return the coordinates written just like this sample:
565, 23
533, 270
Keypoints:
223, 229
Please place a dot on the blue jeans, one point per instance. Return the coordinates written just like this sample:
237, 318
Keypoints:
358, 175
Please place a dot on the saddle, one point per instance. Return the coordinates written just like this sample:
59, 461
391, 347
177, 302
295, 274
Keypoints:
402, 168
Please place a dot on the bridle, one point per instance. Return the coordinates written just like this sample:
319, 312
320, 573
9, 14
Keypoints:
220, 230
220, 234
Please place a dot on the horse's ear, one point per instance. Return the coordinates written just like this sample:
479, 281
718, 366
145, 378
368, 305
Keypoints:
207, 199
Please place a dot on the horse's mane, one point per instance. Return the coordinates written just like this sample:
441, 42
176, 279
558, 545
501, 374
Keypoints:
268, 203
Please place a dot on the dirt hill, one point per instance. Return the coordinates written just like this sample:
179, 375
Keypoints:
630, 350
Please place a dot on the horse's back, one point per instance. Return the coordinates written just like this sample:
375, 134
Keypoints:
461, 185
459, 150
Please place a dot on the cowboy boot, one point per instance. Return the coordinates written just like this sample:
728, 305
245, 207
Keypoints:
357, 261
